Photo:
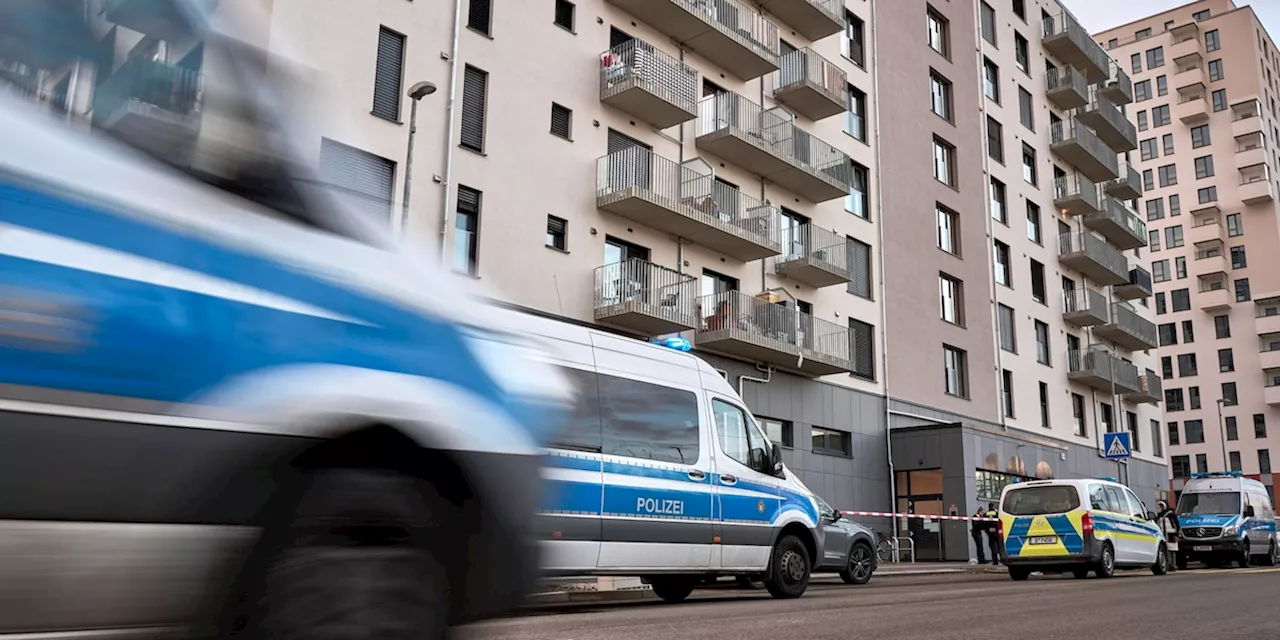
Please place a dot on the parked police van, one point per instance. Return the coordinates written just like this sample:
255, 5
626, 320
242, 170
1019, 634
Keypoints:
663, 473
1225, 517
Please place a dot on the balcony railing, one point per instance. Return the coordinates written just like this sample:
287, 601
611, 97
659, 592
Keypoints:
770, 145
1075, 195
742, 326
1101, 370
1104, 117
1093, 257
1128, 186
660, 193
1071, 43
1255, 185
1139, 285
1128, 329
1081, 147
1150, 389
649, 83
815, 256
1066, 87
728, 33
1084, 307
151, 85
813, 19
811, 85
1118, 224
162, 20
645, 298
1119, 87
1191, 109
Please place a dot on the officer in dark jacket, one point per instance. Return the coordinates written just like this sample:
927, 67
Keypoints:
976, 530
1167, 520
993, 533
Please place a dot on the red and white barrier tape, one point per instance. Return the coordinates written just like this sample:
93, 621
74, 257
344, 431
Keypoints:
880, 514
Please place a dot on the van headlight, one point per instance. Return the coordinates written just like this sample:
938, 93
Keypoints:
1230, 530
519, 368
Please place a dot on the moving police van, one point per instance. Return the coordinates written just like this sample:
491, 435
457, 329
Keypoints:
1225, 517
1056, 526
662, 473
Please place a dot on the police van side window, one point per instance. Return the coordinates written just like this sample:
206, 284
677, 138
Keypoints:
738, 438
1135, 505
648, 421
1115, 502
1097, 497
581, 431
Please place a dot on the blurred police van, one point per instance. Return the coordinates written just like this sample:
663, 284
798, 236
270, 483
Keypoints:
1225, 517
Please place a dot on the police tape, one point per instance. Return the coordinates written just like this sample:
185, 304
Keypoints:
881, 514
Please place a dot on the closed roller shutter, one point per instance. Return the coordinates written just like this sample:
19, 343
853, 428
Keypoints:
390, 70
862, 341
368, 177
475, 87
629, 161
479, 15
860, 267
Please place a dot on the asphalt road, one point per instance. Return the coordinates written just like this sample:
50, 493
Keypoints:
1190, 605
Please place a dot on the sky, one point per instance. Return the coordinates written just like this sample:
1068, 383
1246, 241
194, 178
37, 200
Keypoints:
1100, 15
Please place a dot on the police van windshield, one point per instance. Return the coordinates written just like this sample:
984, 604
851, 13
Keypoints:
1034, 501
1224, 503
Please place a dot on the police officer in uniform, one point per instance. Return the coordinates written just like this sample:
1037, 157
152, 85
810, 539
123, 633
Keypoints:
993, 533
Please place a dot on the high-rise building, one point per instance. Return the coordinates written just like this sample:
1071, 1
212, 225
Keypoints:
1205, 87
901, 228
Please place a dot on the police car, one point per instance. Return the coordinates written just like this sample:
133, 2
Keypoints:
1225, 517
1078, 526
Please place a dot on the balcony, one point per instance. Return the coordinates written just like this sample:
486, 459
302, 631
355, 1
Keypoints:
660, 193
648, 83
741, 326
811, 85
1267, 321
1209, 263
1190, 80
1128, 186
1206, 229
1119, 87
1189, 52
1269, 359
1150, 389
1101, 370
814, 256
1072, 44
728, 33
1214, 295
645, 298
1079, 146
1139, 285
1066, 87
1119, 224
1127, 329
1191, 110
162, 19
813, 19
1250, 154
1255, 185
151, 104
1271, 393
1075, 195
1104, 117
1246, 118
1084, 307
770, 145
1093, 257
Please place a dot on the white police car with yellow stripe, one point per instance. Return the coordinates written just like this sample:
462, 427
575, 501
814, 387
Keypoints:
1078, 526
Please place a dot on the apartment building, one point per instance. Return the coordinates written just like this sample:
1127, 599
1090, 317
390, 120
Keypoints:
901, 228
1205, 88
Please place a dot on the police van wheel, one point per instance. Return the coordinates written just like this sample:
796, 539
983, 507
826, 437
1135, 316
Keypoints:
1018, 574
1080, 573
789, 574
1244, 559
1161, 565
1107, 565
672, 588
1273, 556
358, 557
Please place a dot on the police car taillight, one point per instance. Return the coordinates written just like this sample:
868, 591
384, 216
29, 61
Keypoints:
1086, 524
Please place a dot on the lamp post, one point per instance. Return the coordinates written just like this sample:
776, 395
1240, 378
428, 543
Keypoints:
1222, 433
416, 93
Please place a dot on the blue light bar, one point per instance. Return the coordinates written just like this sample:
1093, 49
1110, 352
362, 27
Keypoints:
1109, 479
675, 342
1219, 474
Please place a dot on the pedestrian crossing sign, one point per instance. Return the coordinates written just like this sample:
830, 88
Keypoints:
1116, 445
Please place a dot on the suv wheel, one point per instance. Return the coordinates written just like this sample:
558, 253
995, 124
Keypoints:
860, 565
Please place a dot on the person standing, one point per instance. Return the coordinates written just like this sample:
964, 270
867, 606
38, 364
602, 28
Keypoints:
993, 532
976, 529
1167, 520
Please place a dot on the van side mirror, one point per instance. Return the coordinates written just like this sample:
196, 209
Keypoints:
775, 459
1249, 512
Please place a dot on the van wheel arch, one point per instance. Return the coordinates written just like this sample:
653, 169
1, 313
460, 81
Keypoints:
805, 536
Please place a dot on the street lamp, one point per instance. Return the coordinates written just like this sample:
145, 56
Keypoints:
1222, 434
416, 93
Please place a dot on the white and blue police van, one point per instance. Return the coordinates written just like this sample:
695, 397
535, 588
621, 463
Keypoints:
227, 409
663, 473
1225, 517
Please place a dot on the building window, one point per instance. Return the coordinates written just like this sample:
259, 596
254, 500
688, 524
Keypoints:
991, 80
863, 343
1166, 367
1201, 15
1173, 433
1079, 420
1264, 461
1166, 141
1042, 342
466, 233
1155, 57
1142, 91
831, 441
1211, 43
1193, 397
940, 95
1219, 99
388, 75
1029, 169
1135, 63
955, 371
939, 37
1215, 70
948, 230
1181, 466
1162, 85
1160, 116
1105, 413
1004, 275
1200, 136
1242, 290
557, 233
1226, 360
1168, 334
1157, 444
855, 123
1044, 405
1022, 53
999, 202
1149, 149
952, 294
854, 39
1148, 180
1188, 332
1038, 290
995, 140
1187, 366
1238, 258
479, 16
1135, 436
1195, 431
1181, 299
1234, 457
860, 267
367, 177
1202, 463
1173, 237
1234, 228
1006, 392
1175, 205
1155, 209
561, 121
1020, 9
1034, 232
1207, 194
779, 432
1168, 175
1233, 432
858, 202
988, 22
1026, 114
1160, 271
1222, 327
1142, 34
475, 89
565, 14
1005, 325
1259, 425
944, 156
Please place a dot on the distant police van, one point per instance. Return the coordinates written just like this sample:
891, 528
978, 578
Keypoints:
1056, 526
662, 473
1225, 517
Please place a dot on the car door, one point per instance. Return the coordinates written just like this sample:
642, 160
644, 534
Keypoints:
1148, 547
748, 500
1120, 522
836, 545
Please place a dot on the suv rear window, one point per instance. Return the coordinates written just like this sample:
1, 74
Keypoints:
1034, 501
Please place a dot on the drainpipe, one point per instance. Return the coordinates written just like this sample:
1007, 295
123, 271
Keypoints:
448, 133
768, 375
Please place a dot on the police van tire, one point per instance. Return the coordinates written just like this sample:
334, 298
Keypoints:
789, 569
1244, 559
1271, 559
1106, 566
672, 589
1161, 565
1018, 574
1080, 573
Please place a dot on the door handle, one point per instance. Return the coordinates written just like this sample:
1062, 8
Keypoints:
697, 475
727, 479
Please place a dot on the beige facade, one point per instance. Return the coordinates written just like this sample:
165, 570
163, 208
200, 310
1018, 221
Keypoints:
1206, 84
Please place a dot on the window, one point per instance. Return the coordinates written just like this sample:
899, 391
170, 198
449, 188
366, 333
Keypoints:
940, 95
948, 230
1222, 327
1200, 15
1160, 116
1259, 425
1135, 436
995, 140
1038, 291
649, 421
1219, 99
1193, 397
1105, 414
952, 292
1005, 320
1020, 9
388, 75
1155, 209
1226, 360
853, 42
955, 371
1142, 34
1234, 457
780, 432
990, 80
1042, 342
1202, 463
830, 441
855, 123
988, 21
1173, 433
1149, 149
1238, 258
1264, 461
557, 233
1168, 333
1181, 299
1211, 43
1187, 365
1175, 205
1003, 275
1157, 442
1188, 332
863, 342
1148, 180
1029, 172
561, 121
1242, 290
1207, 194
1200, 136
1233, 432
565, 17
1021, 53
1034, 232
1006, 392
1044, 405
1173, 236
1168, 175
368, 177
479, 16
1155, 57
1025, 112
1135, 63
860, 266
1078, 415
1161, 307
1166, 141
466, 231
1160, 271
1162, 85
475, 89
1234, 228
1195, 431
857, 202
999, 207
1142, 91
1181, 466
1215, 70
944, 162
939, 37
1166, 367
738, 437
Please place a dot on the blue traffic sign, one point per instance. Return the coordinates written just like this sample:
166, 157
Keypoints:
1116, 445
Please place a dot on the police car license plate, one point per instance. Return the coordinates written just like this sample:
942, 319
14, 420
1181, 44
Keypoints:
1043, 540
1202, 548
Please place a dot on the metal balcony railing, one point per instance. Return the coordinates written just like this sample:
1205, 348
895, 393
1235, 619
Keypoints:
1081, 147
805, 69
1119, 224
1094, 257
1067, 87
1134, 325
1119, 86
638, 64
166, 87
814, 255
1075, 194
1128, 185
644, 296
1108, 122
1140, 280
1150, 388
814, 19
775, 327
1070, 42
729, 33
1084, 307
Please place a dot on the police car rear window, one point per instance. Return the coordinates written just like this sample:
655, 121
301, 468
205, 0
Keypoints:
1034, 501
